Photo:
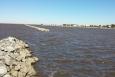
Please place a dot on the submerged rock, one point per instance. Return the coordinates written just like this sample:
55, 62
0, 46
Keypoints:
16, 59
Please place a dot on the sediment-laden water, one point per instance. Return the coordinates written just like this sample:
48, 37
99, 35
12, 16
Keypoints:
69, 52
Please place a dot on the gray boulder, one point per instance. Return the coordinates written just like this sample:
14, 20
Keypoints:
16, 59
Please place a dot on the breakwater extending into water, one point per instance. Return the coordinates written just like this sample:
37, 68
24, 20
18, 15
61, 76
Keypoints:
38, 28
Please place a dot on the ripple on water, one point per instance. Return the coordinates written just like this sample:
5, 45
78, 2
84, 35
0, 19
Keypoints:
69, 52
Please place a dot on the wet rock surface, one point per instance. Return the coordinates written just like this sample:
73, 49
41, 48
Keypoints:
16, 59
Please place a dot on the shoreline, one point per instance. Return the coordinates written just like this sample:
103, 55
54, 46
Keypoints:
47, 30
79, 27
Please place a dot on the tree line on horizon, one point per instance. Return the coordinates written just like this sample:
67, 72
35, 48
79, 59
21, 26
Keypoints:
75, 25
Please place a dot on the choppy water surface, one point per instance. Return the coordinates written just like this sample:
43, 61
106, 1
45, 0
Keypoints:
69, 52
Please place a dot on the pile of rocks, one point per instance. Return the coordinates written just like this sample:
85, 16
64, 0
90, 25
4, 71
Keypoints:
16, 59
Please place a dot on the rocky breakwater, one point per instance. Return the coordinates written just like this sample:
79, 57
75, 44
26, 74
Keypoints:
38, 28
16, 59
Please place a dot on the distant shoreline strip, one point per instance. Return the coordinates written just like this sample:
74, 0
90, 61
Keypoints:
38, 28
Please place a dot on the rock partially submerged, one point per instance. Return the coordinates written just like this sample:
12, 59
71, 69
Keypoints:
16, 59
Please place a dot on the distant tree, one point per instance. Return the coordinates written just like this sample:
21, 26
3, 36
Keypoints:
41, 24
100, 26
64, 24
91, 25
112, 25
108, 26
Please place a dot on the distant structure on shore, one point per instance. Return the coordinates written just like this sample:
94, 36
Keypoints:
73, 25
89, 26
81, 26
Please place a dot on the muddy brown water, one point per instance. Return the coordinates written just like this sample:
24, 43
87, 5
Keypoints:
68, 52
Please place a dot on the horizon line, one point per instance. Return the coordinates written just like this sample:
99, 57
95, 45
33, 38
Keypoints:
50, 23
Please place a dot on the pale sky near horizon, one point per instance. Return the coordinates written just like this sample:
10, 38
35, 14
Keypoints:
57, 11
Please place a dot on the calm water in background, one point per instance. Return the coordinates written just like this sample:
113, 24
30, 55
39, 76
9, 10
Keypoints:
69, 52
